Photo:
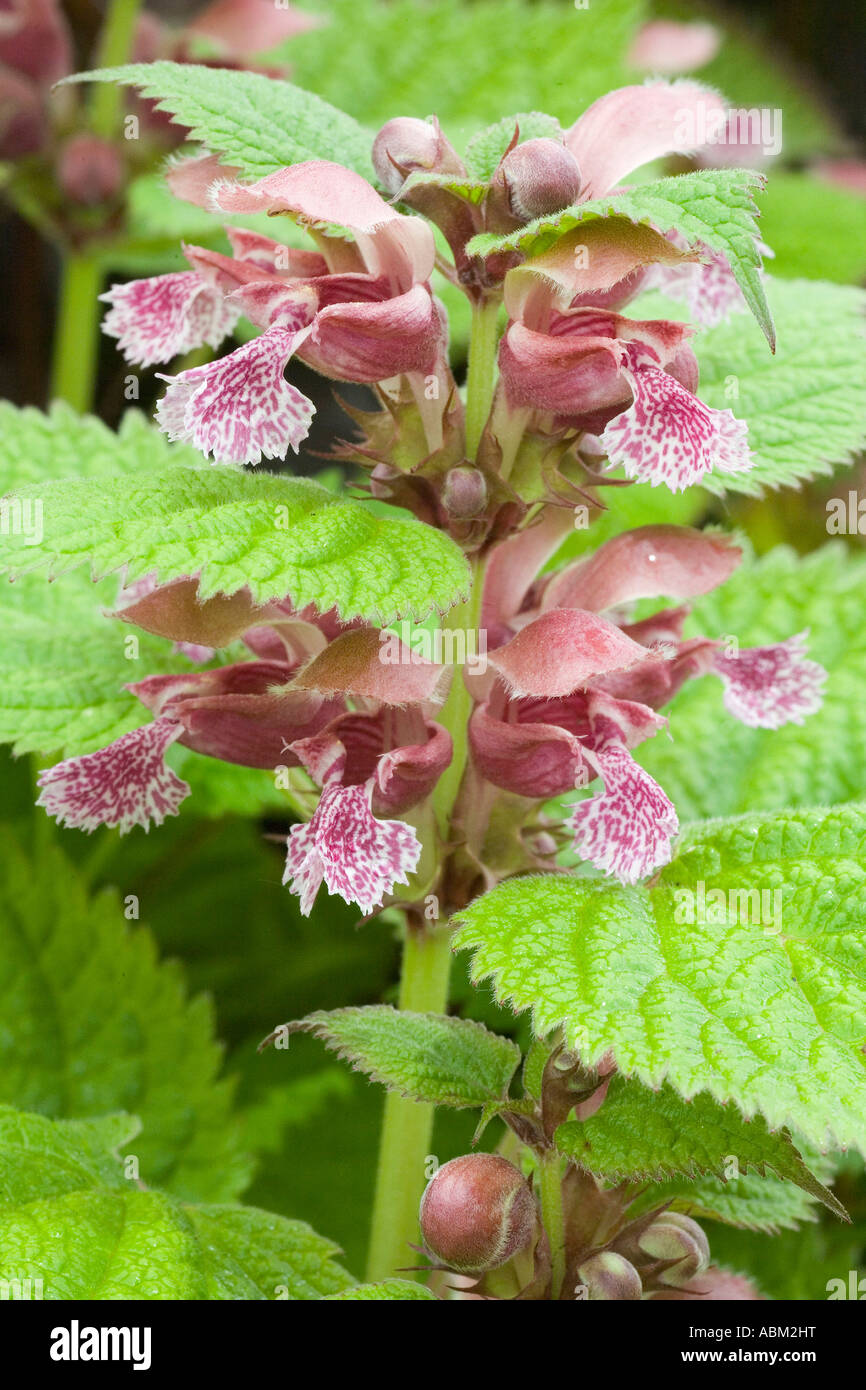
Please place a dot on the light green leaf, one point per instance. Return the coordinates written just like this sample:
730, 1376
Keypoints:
486, 149
60, 443
714, 206
772, 1019
388, 1291
65, 665
639, 1134
817, 230
277, 536
428, 1057
70, 1219
512, 55
257, 123
92, 1023
819, 763
805, 407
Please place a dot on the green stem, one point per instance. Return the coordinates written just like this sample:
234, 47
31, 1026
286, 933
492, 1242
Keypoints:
115, 45
407, 1128
550, 1193
455, 712
76, 336
482, 369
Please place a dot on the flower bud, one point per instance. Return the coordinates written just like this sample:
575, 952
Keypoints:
541, 176
610, 1277
477, 1212
465, 492
676, 1237
89, 170
714, 1286
407, 144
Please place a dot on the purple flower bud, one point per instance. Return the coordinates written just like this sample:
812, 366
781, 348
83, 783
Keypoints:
89, 170
465, 492
676, 1237
406, 143
477, 1212
610, 1277
541, 176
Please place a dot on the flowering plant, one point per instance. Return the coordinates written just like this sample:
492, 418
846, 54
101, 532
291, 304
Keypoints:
457, 675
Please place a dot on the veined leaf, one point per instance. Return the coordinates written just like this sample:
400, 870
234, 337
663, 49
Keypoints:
277, 536
714, 206
92, 1023
772, 1018
39, 446
750, 1203
428, 1057
71, 1220
805, 407
819, 763
65, 665
639, 1134
257, 123
513, 56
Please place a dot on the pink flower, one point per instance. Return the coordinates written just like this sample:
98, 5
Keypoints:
361, 310
571, 692
344, 846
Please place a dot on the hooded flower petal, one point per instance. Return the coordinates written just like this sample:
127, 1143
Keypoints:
675, 561
627, 830
669, 436
634, 125
562, 650
157, 319
174, 610
373, 664
375, 341
356, 856
666, 46
240, 408
323, 193
767, 687
125, 784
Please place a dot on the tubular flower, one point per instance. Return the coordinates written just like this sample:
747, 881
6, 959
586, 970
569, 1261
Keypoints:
573, 691
361, 310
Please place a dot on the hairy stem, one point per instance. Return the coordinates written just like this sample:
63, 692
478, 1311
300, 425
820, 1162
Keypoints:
407, 1128
76, 336
454, 714
550, 1194
482, 369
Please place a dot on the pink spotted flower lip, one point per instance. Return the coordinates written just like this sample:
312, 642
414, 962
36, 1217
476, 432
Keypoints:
344, 845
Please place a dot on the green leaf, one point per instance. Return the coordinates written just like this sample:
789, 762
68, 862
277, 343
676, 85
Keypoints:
714, 206
750, 1203
806, 406
255, 122
639, 1134
512, 55
65, 666
817, 230
773, 1020
388, 1291
92, 1023
70, 1219
60, 443
427, 1057
275, 535
819, 763
486, 149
